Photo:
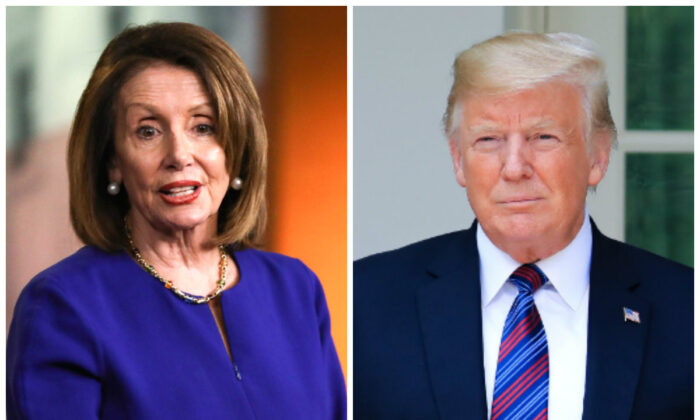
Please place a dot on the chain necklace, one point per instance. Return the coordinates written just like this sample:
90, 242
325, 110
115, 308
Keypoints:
187, 297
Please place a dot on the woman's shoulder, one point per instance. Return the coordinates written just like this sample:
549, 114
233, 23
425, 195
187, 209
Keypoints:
84, 269
82, 258
70, 292
271, 262
280, 272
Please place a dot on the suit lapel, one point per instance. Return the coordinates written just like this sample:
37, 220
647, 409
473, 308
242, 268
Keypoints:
615, 347
449, 307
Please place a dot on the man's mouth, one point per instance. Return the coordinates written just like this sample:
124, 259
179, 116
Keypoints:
519, 201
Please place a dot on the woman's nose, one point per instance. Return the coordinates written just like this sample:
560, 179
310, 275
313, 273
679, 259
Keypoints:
178, 154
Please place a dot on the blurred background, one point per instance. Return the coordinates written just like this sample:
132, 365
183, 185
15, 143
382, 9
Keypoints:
297, 57
404, 188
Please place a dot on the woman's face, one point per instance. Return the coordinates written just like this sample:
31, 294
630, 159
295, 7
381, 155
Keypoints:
167, 152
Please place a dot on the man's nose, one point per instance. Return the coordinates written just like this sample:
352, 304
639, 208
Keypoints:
516, 158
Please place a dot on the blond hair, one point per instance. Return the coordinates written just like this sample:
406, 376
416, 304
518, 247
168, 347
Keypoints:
517, 61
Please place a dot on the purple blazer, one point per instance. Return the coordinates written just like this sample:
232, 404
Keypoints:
95, 336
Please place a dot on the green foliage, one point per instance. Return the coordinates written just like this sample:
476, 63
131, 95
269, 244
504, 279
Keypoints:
659, 68
659, 204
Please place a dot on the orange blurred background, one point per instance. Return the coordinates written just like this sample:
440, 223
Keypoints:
305, 104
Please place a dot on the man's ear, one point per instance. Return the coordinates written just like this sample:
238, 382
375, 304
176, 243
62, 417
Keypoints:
457, 161
601, 143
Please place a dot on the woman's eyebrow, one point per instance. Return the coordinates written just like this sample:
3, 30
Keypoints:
140, 104
206, 106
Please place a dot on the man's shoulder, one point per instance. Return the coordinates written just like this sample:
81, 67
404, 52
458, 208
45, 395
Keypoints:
639, 259
659, 276
415, 255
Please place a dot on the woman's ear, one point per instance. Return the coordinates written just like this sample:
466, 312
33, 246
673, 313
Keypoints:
114, 170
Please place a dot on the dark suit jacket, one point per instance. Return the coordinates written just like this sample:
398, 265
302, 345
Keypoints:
418, 351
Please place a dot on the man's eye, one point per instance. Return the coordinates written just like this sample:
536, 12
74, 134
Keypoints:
487, 143
489, 140
545, 137
146, 132
204, 129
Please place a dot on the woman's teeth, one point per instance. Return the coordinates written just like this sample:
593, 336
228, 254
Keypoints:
180, 191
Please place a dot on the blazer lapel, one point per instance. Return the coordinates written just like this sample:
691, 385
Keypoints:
449, 309
615, 347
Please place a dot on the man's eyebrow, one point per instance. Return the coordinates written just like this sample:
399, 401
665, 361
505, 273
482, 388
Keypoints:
540, 123
530, 124
484, 126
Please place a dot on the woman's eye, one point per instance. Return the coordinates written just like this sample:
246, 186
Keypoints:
204, 129
146, 132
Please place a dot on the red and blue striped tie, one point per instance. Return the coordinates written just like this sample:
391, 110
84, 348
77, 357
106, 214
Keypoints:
522, 375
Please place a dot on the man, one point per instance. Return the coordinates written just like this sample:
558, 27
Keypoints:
531, 313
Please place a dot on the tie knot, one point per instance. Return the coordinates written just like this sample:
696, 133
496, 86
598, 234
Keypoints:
528, 278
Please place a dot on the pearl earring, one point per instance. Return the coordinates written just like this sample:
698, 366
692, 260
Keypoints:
237, 183
112, 188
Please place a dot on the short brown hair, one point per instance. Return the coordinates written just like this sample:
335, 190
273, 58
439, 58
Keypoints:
97, 217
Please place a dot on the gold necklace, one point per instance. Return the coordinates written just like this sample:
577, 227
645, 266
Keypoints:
187, 297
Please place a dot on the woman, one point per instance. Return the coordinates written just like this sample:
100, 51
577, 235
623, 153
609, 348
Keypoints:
169, 312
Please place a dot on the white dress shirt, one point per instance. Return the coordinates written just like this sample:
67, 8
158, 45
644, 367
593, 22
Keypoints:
563, 307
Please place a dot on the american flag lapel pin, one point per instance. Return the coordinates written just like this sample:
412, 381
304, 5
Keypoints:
630, 315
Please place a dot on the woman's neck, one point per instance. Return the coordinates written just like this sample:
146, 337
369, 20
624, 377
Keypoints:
187, 257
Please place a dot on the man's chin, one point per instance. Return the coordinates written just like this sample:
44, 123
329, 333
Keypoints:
517, 225
517, 229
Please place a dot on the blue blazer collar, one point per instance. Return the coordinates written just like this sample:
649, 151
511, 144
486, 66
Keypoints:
615, 347
449, 307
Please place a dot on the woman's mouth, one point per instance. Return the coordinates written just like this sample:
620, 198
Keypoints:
180, 192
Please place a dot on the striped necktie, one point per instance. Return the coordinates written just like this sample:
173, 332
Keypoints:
522, 375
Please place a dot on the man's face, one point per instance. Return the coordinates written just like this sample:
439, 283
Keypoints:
523, 160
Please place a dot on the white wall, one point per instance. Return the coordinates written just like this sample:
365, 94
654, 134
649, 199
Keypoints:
404, 188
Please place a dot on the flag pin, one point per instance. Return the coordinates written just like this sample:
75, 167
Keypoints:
630, 315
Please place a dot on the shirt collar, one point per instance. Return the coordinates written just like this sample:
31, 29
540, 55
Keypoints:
567, 270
